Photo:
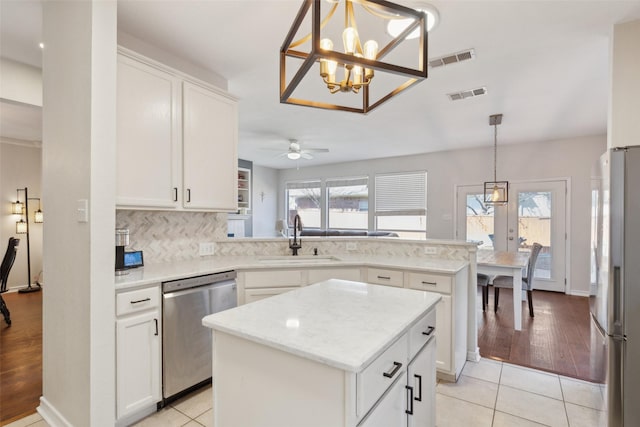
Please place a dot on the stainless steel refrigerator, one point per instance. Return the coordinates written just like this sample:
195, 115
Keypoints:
615, 275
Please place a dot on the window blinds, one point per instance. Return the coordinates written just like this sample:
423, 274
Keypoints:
401, 194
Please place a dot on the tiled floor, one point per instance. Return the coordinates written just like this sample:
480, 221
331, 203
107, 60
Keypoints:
487, 394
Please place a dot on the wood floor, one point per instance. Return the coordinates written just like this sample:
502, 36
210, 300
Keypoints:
559, 338
21, 356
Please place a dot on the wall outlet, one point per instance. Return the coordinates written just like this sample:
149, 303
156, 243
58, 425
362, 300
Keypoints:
352, 246
430, 250
208, 248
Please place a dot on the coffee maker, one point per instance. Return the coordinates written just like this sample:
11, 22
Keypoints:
122, 240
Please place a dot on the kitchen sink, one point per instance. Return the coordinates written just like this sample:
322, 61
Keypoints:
300, 259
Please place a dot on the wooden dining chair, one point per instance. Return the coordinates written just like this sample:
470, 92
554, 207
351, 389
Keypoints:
527, 282
483, 280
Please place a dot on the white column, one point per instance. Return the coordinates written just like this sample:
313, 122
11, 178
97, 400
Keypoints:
624, 126
79, 81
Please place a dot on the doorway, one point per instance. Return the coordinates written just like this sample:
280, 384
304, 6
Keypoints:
536, 212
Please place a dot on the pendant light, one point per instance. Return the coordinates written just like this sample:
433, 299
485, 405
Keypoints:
496, 192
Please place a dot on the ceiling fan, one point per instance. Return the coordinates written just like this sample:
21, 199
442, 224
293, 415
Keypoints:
295, 151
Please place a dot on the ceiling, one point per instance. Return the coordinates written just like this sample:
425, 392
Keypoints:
545, 65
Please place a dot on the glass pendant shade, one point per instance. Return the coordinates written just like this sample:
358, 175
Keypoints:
16, 208
21, 227
496, 192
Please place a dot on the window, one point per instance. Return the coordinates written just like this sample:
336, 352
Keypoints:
480, 220
304, 199
401, 204
348, 203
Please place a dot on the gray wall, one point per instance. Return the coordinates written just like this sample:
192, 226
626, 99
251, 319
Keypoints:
570, 158
265, 201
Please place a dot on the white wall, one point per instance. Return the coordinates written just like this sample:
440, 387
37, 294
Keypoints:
571, 158
20, 82
265, 201
624, 126
21, 166
78, 158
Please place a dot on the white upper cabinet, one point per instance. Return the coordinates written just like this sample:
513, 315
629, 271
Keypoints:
177, 140
147, 136
209, 149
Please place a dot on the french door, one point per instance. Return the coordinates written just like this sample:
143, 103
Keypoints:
536, 213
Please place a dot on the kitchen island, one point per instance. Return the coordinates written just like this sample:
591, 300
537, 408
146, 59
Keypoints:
336, 353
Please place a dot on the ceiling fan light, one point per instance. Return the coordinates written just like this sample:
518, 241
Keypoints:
397, 26
293, 155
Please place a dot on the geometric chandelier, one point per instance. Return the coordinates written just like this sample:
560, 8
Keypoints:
496, 192
339, 55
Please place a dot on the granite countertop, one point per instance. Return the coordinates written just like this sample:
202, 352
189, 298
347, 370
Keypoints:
336, 322
156, 273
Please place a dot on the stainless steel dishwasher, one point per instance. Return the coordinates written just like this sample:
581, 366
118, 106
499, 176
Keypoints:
186, 344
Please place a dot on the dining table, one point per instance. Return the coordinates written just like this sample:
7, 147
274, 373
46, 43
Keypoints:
503, 263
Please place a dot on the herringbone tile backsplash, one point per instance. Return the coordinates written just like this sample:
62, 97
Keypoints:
171, 236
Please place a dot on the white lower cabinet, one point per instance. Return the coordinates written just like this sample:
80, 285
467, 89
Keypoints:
251, 295
390, 411
411, 400
421, 377
138, 352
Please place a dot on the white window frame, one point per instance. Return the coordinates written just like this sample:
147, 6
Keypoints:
401, 194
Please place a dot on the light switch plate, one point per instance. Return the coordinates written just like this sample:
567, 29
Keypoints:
82, 210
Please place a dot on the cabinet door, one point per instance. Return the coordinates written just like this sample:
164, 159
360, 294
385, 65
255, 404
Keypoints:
147, 126
390, 410
138, 362
443, 334
421, 375
209, 149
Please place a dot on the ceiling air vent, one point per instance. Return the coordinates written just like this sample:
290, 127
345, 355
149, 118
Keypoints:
452, 59
467, 93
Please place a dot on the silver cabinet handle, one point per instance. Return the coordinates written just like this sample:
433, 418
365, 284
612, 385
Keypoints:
140, 300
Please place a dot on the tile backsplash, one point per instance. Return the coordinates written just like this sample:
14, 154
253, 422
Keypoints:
176, 236
171, 236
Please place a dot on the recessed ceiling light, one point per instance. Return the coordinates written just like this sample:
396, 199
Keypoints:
41, 45
397, 26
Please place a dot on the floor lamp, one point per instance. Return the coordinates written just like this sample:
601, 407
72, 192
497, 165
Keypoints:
22, 227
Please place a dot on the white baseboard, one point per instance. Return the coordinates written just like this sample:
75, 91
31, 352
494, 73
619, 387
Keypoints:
580, 293
474, 356
51, 415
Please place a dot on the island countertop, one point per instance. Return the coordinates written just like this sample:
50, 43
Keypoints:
339, 323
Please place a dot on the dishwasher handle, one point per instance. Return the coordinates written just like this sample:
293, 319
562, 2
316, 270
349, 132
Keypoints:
177, 293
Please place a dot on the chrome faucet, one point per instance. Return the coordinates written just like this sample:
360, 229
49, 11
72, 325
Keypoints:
296, 244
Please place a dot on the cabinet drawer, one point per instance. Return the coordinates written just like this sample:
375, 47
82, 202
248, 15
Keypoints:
421, 332
272, 278
138, 300
430, 282
376, 378
380, 276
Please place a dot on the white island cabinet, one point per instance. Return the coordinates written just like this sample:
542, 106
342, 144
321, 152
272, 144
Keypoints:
335, 353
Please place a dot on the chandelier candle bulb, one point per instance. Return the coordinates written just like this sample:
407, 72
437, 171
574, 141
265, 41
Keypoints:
350, 38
